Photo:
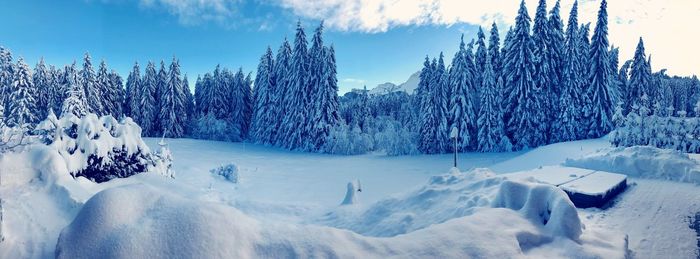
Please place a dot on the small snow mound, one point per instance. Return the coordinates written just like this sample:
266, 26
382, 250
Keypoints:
643, 162
351, 193
230, 172
542, 204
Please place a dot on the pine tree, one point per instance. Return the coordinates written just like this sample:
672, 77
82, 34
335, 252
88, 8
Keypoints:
190, 109
600, 78
480, 58
327, 103
147, 101
104, 85
75, 104
544, 68
132, 104
494, 51
90, 87
172, 107
56, 91
566, 127
640, 77
7, 72
295, 101
240, 97
281, 90
462, 113
440, 96
41, 80
557, 47
491, 133
525, 100
161, 86
263, 92
428, 121
117, 92
22, 103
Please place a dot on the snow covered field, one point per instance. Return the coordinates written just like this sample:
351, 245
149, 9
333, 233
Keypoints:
288, 203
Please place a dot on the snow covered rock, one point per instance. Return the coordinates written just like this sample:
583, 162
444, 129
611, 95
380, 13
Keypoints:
643, 162
230, 172
544, 205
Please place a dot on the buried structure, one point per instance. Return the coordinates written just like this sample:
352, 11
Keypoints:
586, 188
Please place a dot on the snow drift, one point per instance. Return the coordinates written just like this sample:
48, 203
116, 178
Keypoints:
457, 194
163, 225
643, 162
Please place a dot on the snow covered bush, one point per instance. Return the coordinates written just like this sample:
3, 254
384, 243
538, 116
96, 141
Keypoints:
230, 172
211, 128
641, 129
99, 149
348, 140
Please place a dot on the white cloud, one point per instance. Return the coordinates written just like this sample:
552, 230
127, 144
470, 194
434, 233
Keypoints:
196, 11
353, 81
668, 27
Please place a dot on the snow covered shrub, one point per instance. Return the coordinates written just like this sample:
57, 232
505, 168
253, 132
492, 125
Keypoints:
641, 129
348, 140
99, 149
210, 128
395, 139
230, 172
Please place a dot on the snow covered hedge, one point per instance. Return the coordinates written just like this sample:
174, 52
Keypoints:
100, 149
639, 128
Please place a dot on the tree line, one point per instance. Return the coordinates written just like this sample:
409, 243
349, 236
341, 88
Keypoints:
546, 84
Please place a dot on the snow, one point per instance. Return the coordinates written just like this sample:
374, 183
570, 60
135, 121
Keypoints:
642, 162
288, 205
572, 179
597, 183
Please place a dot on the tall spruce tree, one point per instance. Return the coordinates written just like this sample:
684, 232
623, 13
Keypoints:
103, 84
600, 78
56, 92
480, 58
147, 101
440, 96
327, 102
190, 109
281, 91
132, 102
293, 125
172, 107
557, 47
263, 92
116, 91
494, 51
23, 105
566, 126
7, 72
462, 113
75, 102
640, 78
491, 133
525, 99
427, 143
41, 80
544, 68
90, 87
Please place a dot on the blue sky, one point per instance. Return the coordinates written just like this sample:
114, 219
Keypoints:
375, 41
121, 33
